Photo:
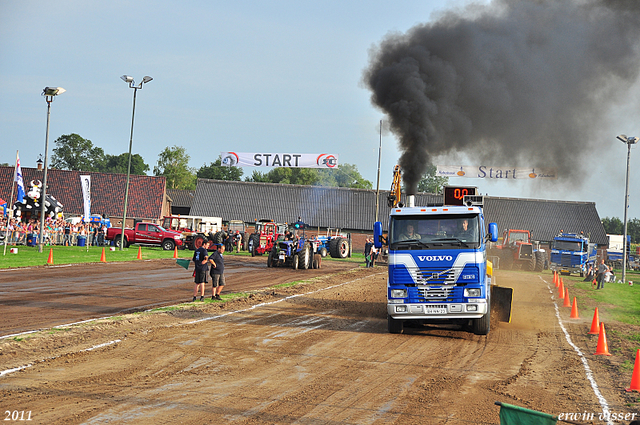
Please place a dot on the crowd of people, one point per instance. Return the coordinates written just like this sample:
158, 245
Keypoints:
57, 231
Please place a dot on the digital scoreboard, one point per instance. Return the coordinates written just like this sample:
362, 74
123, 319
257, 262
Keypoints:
454, 195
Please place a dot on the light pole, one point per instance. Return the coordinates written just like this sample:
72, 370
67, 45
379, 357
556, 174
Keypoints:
49, 93
628, 141
378, 180
132, 84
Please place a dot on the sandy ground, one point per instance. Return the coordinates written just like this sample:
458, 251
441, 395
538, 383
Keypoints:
41, 297
314, 353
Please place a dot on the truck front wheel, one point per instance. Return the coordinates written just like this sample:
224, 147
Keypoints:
395, 326
118, 241
481, 326
168, 244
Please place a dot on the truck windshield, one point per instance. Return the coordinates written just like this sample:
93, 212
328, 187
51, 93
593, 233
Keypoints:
567, 246
435, 231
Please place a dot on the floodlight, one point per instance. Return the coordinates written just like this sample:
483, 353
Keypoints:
146, 79
622, 138
52, 91
127, 79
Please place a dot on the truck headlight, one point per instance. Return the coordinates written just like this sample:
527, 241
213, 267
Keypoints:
177, 237
472, 292
398, 293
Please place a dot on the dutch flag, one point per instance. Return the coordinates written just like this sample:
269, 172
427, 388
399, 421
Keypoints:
19, 181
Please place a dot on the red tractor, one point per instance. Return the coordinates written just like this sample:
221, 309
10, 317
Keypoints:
516, 250
267, 232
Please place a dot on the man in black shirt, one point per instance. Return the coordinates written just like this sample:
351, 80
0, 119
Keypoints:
200, 259
217, 272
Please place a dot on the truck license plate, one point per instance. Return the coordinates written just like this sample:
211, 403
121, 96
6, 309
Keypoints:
282, 256
428, 310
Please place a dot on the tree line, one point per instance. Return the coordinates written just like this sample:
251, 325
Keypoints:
73, 152
615, 226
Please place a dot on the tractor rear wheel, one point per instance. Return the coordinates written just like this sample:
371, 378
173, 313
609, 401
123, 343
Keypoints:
270, 259
254, 242
531, 264
539, 261
198, 241
342, 248
332, 247
219, 237
305, 256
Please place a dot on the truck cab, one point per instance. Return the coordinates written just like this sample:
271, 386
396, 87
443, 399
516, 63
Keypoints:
438, 269
572, 253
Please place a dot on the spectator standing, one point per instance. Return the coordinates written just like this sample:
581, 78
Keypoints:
367, 252
67, 234
200, 259
217, 272
602, 270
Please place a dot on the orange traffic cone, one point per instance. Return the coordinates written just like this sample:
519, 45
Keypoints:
595, 324
561, 291
103, 259
139, 252
594, 283
635, 378
555, 278
175, 252
603, 347
574, 310
567, 302
50, 259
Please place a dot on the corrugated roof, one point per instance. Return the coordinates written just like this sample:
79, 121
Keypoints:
546, 218
354, 209
146, 193
181, 197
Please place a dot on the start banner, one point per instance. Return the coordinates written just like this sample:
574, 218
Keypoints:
289, 160
497, 173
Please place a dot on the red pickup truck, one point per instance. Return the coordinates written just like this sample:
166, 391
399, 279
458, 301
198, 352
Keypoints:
146, 234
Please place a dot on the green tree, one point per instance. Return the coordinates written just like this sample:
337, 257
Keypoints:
431, 183
173, 163
345, 175
73, 152
216, 171
119, 164
633, 229
258, 176
613, 225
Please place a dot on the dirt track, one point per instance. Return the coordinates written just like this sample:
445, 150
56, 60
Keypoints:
42, 297
315, 353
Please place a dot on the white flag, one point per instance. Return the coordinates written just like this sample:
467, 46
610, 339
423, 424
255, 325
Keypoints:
86, 196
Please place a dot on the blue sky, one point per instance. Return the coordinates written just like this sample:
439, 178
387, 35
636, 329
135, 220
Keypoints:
280, 76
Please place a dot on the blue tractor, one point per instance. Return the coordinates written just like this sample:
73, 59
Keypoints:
293, 249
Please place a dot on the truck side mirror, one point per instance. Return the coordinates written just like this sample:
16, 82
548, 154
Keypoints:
377, 234
493, 232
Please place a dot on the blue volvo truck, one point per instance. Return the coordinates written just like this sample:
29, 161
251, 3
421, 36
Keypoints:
438, 268
572, 253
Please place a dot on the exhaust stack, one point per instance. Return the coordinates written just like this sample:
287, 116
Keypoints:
411, 201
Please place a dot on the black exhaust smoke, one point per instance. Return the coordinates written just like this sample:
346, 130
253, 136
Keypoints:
521, 81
